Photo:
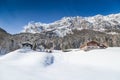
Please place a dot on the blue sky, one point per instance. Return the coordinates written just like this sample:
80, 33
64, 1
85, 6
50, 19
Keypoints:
14, 14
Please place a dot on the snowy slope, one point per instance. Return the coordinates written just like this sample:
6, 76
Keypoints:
75, 65
67, 24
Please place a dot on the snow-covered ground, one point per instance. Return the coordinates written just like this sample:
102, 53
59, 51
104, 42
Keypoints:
103, 64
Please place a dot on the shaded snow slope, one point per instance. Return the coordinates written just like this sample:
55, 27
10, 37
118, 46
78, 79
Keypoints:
75, 65
26, 57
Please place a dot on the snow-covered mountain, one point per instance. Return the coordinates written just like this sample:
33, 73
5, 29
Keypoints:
67, 24
75, 65
104, 29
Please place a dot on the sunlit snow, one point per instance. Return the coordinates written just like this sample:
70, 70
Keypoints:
100, 64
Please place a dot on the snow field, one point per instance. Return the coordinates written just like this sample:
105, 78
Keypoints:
75, 65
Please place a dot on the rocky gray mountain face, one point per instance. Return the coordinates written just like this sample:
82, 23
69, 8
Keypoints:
69, 32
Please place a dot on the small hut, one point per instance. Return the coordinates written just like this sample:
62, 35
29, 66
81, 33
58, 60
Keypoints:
27, 45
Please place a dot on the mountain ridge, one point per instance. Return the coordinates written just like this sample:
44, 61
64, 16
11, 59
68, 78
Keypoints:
67, 24
70, 32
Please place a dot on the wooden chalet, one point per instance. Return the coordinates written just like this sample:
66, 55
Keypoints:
92, 45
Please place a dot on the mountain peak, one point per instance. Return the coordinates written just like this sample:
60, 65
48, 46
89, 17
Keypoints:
67, 24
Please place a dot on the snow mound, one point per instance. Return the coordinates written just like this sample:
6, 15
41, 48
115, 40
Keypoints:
28, 57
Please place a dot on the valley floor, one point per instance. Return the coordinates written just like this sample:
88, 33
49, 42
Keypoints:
100, 64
